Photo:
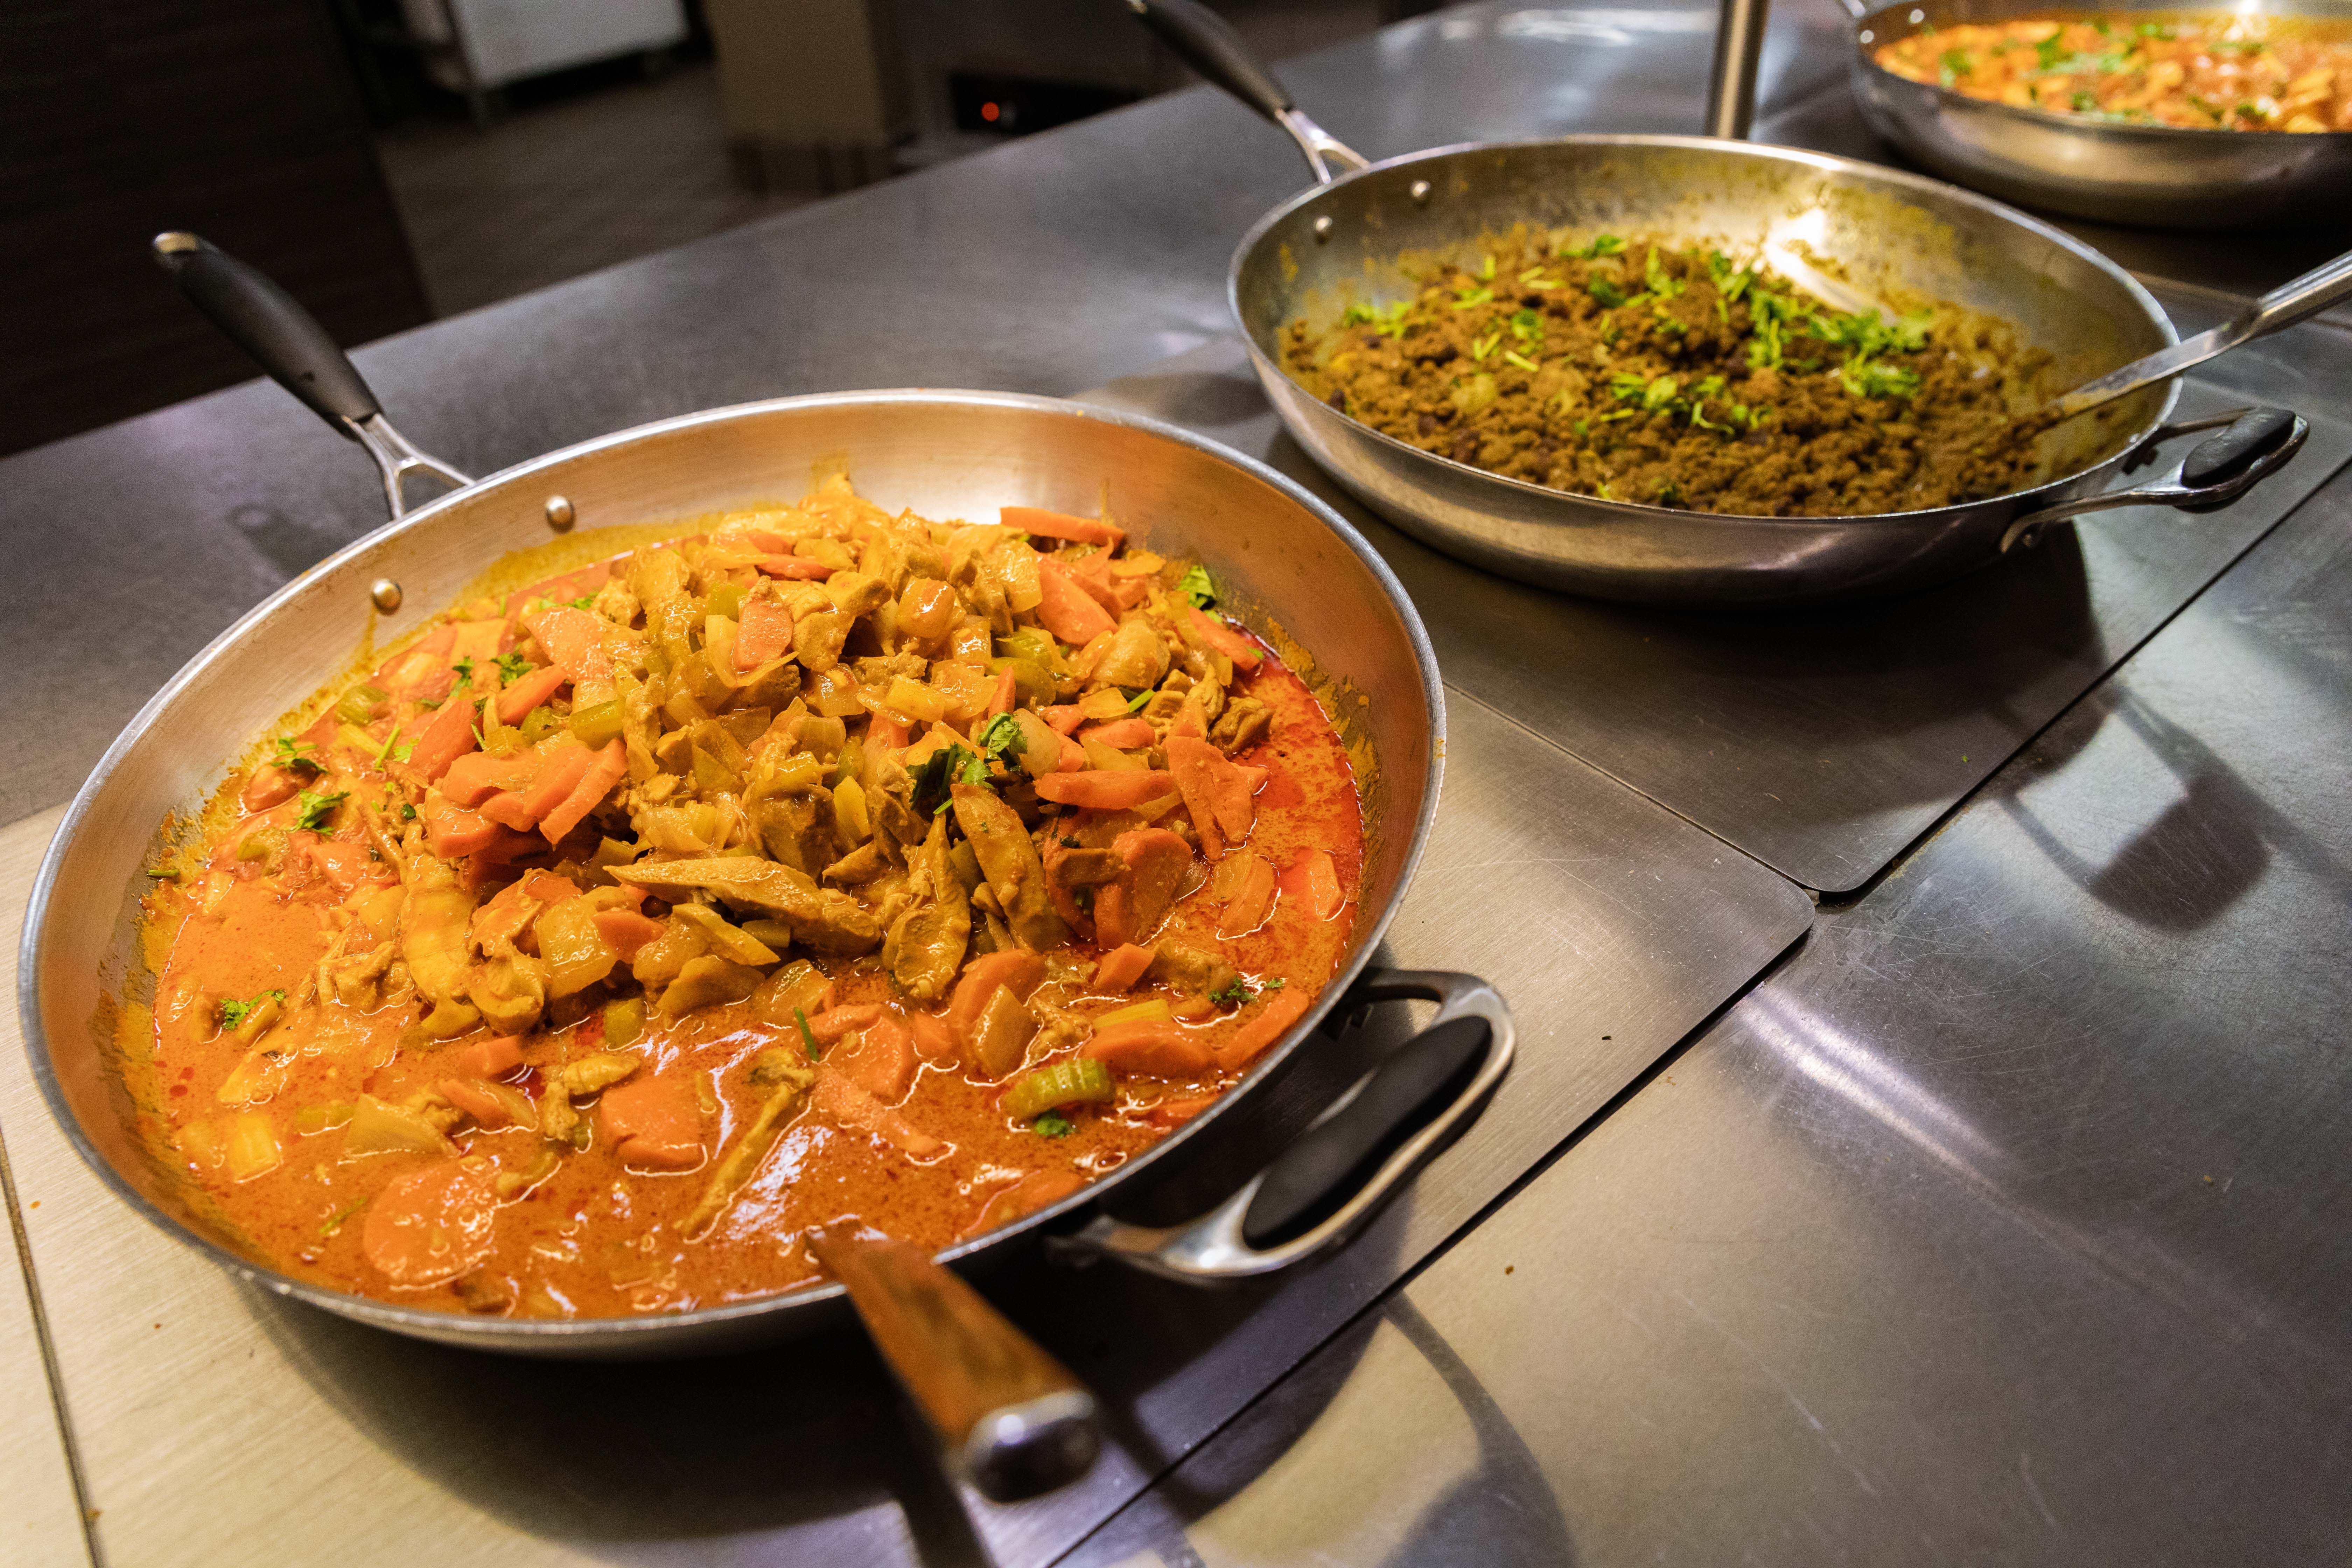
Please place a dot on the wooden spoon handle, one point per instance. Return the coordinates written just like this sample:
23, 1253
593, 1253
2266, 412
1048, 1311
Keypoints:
1011, 1418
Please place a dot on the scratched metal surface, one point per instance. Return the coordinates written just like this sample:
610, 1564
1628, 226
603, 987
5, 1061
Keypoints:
2008, 1221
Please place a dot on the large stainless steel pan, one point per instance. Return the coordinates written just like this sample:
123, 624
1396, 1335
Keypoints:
1894, 234
2161, 175
1282, 558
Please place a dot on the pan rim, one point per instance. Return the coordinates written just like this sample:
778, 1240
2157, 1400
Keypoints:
1639, 511
2052, 119
612, 1334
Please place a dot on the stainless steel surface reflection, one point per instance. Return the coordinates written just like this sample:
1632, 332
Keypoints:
2004, 1223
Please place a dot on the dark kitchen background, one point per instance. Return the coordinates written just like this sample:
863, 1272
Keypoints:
395, 161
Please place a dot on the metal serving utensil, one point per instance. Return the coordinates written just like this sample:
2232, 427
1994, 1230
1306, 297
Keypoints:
2329, 283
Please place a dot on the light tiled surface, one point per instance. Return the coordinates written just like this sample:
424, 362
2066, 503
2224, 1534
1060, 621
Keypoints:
37, 1527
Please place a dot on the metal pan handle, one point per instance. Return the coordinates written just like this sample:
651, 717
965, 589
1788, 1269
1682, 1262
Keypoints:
287, 341
2254, 444
1357, 1154
1206, 42
1012, 1419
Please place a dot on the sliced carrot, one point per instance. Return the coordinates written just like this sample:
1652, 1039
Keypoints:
1131, 908
841, 1097
488, 1112
933, 1038
508, 809
655, 1121
605, 769
1190, 720
1313, 879
433, 1224
764, 633
1064, 717
1046, 524
422, 672
548, 888
530, 690
1096, 582
561, 590
1209, 779
1024, 971
477, 642
574, 641
494, 861
477, 776
451, 831
626, 930
1122, 734
344, 865
1251, 900
880, 1060
1224, 638
1066, 609
1152, 1046
1037, 1190
1178, 1109
1187, 762
268, 785
1105, 792
1120, 968
492, 1058
837, 1023
1008, 693
449, 736
886, 733
1246, 1043
793, 566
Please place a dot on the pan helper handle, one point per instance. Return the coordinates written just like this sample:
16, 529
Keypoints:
1357, 1154
1206, 42
2254, 444
287, 341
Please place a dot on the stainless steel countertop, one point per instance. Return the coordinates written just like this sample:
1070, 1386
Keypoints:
1793, 1299
2005, 1222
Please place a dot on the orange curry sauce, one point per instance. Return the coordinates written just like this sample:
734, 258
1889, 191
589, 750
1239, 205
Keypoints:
396, 1128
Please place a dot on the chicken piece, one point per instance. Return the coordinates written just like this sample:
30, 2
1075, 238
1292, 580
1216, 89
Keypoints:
926, 944
797, 829
1189, 969
787, 1081
359, 983
860, 866
591, 1074
1011, 862
1136, 655
823, 920
508, 987
1242, 726
435, 946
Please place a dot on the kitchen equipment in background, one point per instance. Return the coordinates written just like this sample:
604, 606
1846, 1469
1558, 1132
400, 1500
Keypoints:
476, 47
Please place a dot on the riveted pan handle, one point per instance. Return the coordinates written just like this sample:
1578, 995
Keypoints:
1206, 42
1358, 1155
2254, 444
287, 341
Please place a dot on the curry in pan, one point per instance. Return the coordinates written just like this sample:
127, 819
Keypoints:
617, 932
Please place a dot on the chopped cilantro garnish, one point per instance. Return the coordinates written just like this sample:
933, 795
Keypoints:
1054, 1124
313, 808
1607, 293
407, 812
1602, 244
465, 668
584, 601
513, 666
1196, 585
233, 1012
394, 747
808, 1036
291, 754
1003, 739
940, 772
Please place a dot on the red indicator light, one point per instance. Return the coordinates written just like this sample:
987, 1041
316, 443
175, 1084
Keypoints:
988, 112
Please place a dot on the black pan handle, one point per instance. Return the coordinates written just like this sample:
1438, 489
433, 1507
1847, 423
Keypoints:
271, 325
2254, 444
287, 341
1357, 1156
1207, 42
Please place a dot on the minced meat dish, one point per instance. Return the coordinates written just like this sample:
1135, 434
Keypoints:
1636, 372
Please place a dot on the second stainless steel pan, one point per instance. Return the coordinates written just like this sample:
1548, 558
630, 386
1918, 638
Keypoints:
1891, 233
2163, 175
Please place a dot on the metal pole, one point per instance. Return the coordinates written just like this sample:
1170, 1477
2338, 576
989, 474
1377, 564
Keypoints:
1731, 89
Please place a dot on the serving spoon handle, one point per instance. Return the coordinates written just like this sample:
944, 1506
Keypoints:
1012, 1420
2327, 284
